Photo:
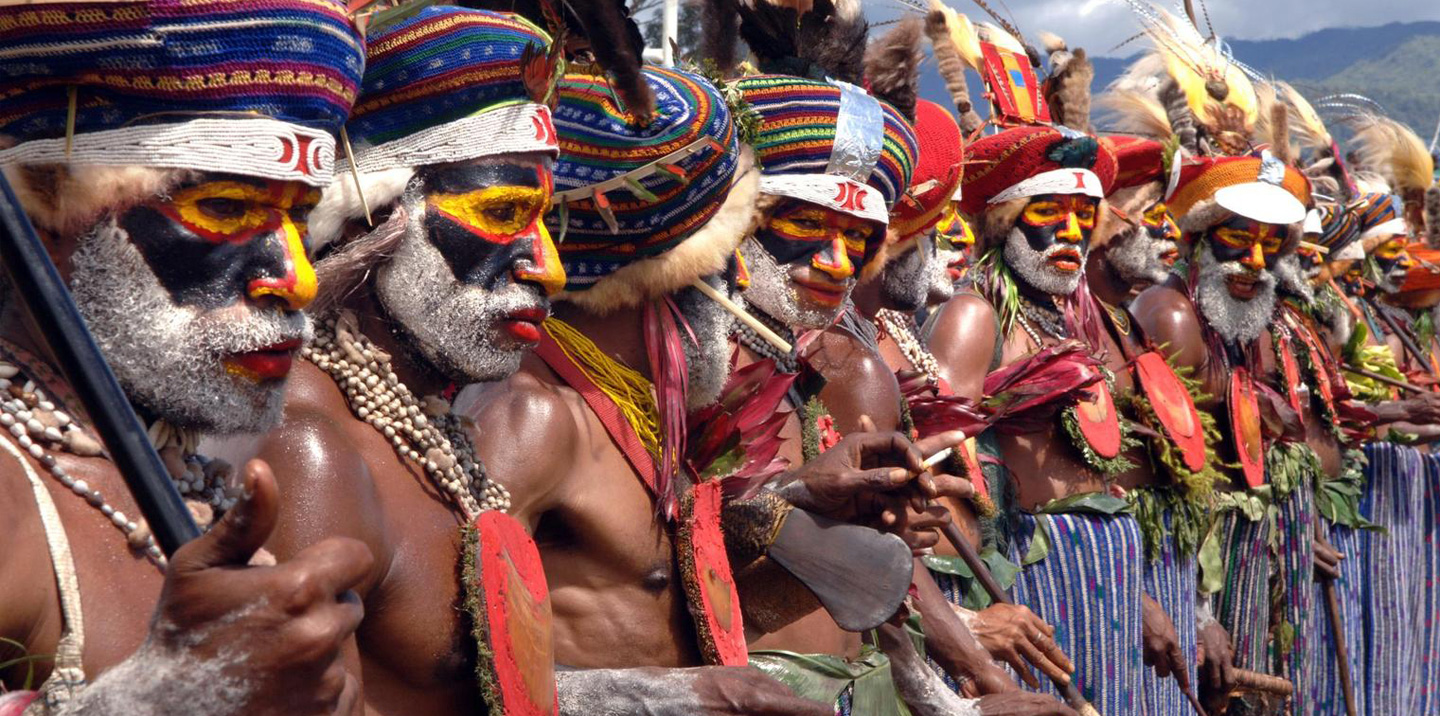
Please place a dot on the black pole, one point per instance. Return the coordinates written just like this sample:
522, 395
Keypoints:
38, 286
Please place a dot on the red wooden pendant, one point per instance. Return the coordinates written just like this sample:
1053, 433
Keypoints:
1323, 386
1173, 408
517, 617
1290, 370
971, 457
705, 566
1095, 413
1245, 427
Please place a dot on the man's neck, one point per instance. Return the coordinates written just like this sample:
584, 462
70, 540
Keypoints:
408, 362
869, 298
1104, 283
620, 334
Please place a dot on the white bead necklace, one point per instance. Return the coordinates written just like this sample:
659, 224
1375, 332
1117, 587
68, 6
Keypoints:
902, 328
427, 433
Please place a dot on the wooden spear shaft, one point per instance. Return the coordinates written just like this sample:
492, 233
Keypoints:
1387, 380
1342, 660
987, 580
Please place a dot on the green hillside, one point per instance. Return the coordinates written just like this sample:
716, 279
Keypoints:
1405, 81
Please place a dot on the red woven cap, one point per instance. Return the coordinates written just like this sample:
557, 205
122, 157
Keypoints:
1003, 160
937, 173
1139, 161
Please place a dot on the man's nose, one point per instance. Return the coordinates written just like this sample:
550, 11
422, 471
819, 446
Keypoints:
834, 261
1070, 231
541, 263
287, 276
1255, 259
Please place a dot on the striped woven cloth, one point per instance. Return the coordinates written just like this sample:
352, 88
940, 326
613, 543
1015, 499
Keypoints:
164, 61
1324, 691
440, 65
1088, 587
798, 131
600, 142
1429, 616
1170, 580
1295, 562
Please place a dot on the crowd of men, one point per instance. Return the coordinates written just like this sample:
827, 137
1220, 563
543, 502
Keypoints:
504, 373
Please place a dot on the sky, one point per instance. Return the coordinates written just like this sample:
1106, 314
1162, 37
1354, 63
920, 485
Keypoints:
1099, 25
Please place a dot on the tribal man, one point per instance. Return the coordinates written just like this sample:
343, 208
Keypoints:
173, 199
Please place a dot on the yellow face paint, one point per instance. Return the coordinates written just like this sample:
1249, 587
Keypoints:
497, 213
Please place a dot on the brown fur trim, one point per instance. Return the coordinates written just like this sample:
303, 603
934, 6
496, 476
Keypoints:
995, 224
67, 199
1432, 216
1202, 216
1280, 133
1067, 90
886, 253
701, 254
892, 65
952, 68
340, 204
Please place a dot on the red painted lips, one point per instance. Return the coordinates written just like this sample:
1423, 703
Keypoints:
524, 325
268, 363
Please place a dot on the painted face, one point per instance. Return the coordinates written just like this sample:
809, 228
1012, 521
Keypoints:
196, 298
955, 240
819, 251
1393, 262
905, 282
1051, 238
1312, 264
1143, 254
1248, 244
470, 280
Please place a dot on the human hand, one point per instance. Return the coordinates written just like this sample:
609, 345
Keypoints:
1023, 703
1327, 559
747, 691
1161, 645
1017, 636
920, 529
280, 629
1216, 665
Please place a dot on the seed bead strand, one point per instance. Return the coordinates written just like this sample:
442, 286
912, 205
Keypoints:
425, 432
902, 328
36, 424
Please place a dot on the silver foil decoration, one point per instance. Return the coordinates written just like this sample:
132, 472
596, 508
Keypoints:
859, 134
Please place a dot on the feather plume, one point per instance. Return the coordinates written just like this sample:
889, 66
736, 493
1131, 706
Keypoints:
892, 65
1067, 90
952, 65
1136, 112
720, 23
1305, 122
1279, 127
818, 39
1217, 91
1390, 149
1182, 122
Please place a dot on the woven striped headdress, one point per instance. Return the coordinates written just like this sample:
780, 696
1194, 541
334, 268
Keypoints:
644, 210
830, 144
447, 84
253, 88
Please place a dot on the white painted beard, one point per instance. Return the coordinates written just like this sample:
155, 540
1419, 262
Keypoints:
170, 358
771, 291
1292, 279
937, 277
454, 326
708, 362
1136, 256
1235, 320
1034, 267
906, 280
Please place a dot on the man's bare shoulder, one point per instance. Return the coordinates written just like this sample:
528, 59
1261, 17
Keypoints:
857, 381
1166, 315
526, 430
962, 339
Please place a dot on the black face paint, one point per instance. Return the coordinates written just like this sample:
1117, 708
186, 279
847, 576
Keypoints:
1046, 216
213, 240
483, 250
1235, 239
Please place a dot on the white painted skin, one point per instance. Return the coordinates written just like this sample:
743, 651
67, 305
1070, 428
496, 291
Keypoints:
1136, 256
157, 681
771, 291
918, 685
455, 326
707, 358
1293, 279
1234, 320
1034, 267
906, 280
168, 357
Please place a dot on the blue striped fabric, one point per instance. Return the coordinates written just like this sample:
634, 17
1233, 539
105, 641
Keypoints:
1324, 692
950, 587
1296, 562
1170, 580
1243, 604
1430, 614
1088, 587
1393, 564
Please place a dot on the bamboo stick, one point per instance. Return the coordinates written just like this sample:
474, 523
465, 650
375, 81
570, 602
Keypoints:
739, 312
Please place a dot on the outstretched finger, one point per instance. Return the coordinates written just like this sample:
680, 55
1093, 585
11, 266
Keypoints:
1180, 667
1021, 667
1044, 664
1052, 651
243, 530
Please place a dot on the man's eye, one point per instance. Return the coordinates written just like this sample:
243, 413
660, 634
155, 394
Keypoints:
301, 214
857, 235
222, 208
809, 224
503, 213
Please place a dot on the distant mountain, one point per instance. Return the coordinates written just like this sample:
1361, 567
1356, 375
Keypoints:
1397, 65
